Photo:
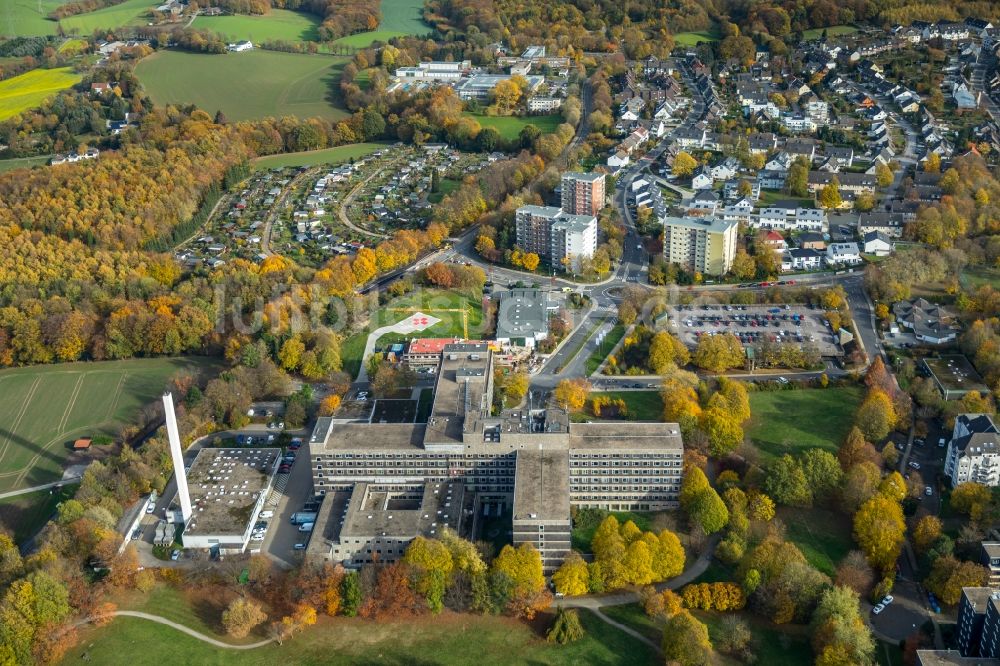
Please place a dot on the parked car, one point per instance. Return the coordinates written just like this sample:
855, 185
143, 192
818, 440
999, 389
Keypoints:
928, 491
299, 546
914, 464
136, 533
267, 514
887, 600
175, 555
878, 609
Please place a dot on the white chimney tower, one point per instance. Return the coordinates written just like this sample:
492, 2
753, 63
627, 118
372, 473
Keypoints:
177, 455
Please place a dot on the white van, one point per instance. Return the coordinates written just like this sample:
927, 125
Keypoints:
267, 514
306, 527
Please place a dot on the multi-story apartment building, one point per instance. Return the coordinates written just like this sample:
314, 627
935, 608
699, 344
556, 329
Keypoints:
989, 557
705, 246
582, 193
381, 480
974, 451
978, 629
556, 235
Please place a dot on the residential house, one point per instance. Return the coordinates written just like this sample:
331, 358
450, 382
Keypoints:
843, 254
929, 322
812, 241
974, 451
726, 169
855, 183
705, 200
801, 259
878, 244
702, 178
780, 162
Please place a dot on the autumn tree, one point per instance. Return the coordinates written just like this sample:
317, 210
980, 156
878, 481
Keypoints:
566, 627
660, 605
926, 532
719, 352
883, 175
392, 596
970, 498
855, 572
949, 575
431, 564
876, 416
855, 450
242, 616
879, 528
572, 578
829, 196
839, 629
571, 394
685, 641
684, 165
522, 567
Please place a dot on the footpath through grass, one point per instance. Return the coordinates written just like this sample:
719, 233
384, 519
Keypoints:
798, 419
336, 155
245, 86
444, 640
30, 89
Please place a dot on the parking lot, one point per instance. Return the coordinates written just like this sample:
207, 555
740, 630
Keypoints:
755, 324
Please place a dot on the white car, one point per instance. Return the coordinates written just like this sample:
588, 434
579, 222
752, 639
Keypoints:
928, 491
267, 514
257, 537
887, 600
878, 609
914, 464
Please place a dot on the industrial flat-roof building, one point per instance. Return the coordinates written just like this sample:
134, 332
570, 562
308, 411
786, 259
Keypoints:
533, 461
523, 317
228, 488
954, 376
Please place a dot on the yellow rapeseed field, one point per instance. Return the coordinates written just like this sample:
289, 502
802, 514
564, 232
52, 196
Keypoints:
27, 91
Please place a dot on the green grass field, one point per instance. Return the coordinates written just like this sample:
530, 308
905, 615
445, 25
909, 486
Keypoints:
692, 38
30, 89
46, 407
24, 515
642, 405
510, 126
22, 18
22, 162
280, 24
255, 84
832, 31
610, 340
313, 157
795, 420
399, 18
583, 532
787, 645
976, 276
823, 536
461, 316
444, 640
130, 12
